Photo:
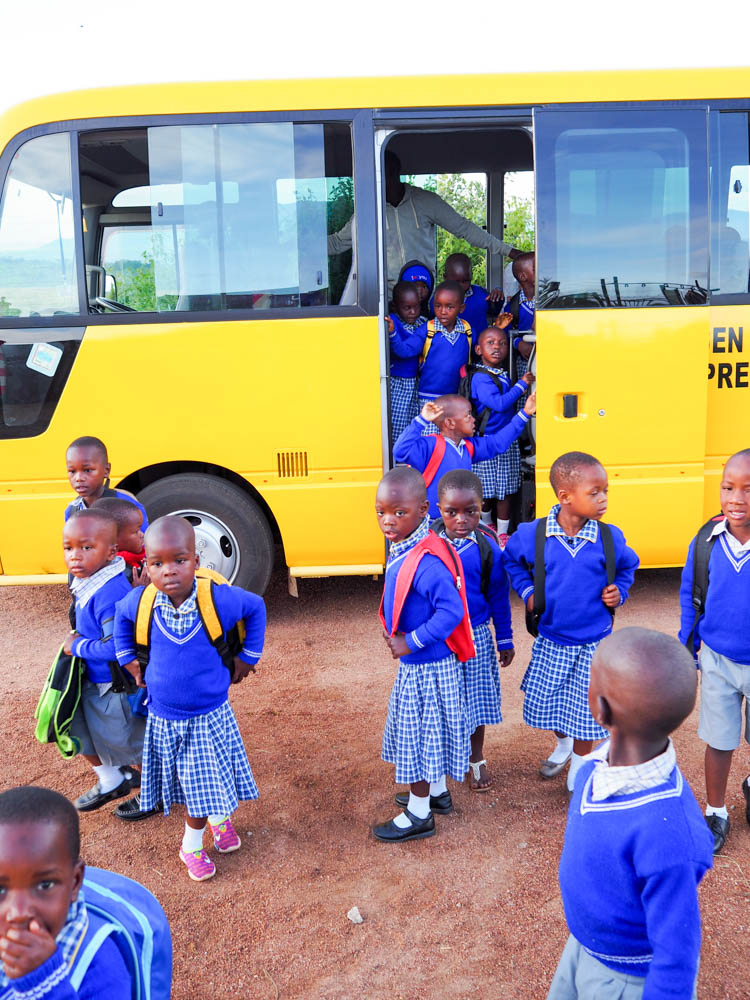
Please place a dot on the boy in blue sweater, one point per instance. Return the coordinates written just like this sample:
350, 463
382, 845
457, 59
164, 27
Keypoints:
110, 735
723, 634
427, 730
447, 345
193, 751
88, 470
453, 447
578, 608
406, 333
477, 302
636, 846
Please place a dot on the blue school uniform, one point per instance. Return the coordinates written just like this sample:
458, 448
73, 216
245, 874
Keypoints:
501, 475
427, 731
193, 752
406, 343
439, 373
415, 448
574, 621
79, 504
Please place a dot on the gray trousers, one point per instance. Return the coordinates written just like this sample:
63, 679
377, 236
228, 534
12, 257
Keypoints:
106, 727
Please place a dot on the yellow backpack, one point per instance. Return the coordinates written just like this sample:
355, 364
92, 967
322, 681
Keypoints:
227, 645
431, 333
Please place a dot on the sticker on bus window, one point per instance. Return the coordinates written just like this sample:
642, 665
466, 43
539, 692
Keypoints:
44, 358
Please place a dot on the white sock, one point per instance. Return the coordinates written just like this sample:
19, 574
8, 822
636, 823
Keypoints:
717, 811
192, 839
109, 777
486, 516
576, 760
562, 750
417, 806
502, 526
438, 787
217, 820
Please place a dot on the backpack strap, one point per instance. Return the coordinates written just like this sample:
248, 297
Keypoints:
211, 623
540, 570
702, 549
486, 556
436, 459
143, 618
427, 341
608, 543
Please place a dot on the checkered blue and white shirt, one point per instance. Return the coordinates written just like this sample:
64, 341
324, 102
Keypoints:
83, 588
459, 330
588, 533
179, 620
611, 781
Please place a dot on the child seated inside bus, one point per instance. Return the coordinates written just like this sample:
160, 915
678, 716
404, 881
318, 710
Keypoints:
88, 469
447, 346
109, 734
490, 390
480, 307
452, 447
420, 274
406, 333
129, 536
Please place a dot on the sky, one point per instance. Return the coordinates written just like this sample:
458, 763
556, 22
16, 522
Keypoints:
49, 46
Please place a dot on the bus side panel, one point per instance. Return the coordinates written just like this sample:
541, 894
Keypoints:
639, 378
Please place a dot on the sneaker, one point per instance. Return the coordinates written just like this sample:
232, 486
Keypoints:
503, 539
199, 865
226, 839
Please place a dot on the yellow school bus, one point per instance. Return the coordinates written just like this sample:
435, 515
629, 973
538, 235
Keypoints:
167, 283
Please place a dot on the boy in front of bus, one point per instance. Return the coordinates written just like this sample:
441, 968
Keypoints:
88, 469
723, 634
406, 333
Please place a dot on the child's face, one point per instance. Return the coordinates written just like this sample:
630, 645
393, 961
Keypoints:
461, 422
735, 496
87, 546
423, 290
38, 878
407, 305
87, 472
460, 271
587, 498
399, 512
447, 306
130, 535
492, 347
460, 510
172, 562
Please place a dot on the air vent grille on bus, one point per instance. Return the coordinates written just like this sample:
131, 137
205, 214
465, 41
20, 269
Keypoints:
291, 464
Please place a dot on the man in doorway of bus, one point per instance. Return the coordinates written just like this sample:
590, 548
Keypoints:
411, 214
522, 308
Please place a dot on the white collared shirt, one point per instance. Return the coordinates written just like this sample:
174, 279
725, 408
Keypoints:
738, 548
609, 781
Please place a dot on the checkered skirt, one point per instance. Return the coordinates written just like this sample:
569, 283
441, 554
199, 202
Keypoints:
200, 761
556, 687
403, 404
482, 676
501, 475
431, 428
427, 731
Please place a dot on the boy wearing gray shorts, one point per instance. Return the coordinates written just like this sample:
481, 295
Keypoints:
722, 633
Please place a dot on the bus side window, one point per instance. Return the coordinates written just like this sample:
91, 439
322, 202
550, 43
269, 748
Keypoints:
730, 206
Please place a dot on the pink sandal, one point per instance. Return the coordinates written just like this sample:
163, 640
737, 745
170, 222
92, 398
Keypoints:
226, 838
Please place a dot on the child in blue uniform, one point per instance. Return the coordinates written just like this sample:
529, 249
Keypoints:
522, 308
110, 735
414, 271
406, 333
577, 612
447, 346
88, 470
636, 846
723, 634
478, 303
453, 447
426, 622
193, 750
491, 391
460, 503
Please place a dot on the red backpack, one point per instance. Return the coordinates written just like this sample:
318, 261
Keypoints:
460, 641
436, 458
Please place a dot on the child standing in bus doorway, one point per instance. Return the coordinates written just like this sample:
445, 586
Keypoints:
419, 274
447, 346
478, 303
588, 572
406, 333
522, 307
716, 577
88, 470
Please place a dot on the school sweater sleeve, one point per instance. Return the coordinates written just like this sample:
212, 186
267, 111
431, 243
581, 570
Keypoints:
235, 604
405, 344
495, 444
626, 563
124, 634
687, 612
101, 650
670, 901
439, 589
107, 976
486, 394
517, 562
498, 598
414, 449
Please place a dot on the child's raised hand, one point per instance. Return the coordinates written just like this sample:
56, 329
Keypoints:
496, 295
397, 644
140, 576
135, 669
389, 324
530, 405
431, 411
241, 670
528, 377
502, 320
505, 656
70, 638
611, 596
24, 949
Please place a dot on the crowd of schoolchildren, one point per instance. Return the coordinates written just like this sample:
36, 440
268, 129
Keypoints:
147, 619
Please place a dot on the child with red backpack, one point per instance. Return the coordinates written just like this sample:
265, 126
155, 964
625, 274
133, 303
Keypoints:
426, 622
453, 447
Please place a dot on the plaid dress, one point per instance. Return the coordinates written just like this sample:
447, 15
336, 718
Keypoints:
404, 407
556, 689
501, 475
482, 677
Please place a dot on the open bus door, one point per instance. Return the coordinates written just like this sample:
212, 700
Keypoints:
621, 320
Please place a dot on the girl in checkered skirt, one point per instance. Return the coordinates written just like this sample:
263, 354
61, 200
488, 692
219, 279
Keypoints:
427, 730
193, 751
406, 333
578, 606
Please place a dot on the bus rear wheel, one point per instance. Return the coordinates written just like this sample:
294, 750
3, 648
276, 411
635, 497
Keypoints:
231, 534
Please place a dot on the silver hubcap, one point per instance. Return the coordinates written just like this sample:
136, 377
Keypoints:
215, 544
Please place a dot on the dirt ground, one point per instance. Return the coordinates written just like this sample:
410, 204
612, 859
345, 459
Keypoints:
472, 912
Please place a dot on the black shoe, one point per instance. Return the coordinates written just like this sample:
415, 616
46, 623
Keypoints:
131, 810
442, 804
746, 793
94, 798
719, 827
133, 776
419, 829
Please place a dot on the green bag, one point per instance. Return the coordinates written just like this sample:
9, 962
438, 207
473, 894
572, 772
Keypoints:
58, 703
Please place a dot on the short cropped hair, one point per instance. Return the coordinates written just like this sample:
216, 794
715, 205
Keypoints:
32, 804
454, 258
121, 510
459, 479
566, 470
522, 258
408, 478
403, 286
451, 286
94, 513
493, 329
89, 442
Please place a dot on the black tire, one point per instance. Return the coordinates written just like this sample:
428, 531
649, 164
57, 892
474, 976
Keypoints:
230, 525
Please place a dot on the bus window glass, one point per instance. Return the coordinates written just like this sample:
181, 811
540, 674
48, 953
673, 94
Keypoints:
730, 218
622, 209
37, 259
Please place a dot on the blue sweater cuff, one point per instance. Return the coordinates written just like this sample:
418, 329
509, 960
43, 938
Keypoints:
421, 421
505, 643
524, 416
76, 645
44, 979
526, 593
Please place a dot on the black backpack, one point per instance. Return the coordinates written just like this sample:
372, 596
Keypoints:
464, 389
540, 573
704, 544
486, 555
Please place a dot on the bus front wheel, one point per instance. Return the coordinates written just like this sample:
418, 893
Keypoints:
231, 534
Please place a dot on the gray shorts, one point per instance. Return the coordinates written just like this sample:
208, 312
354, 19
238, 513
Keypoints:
724, 685
580, 976
107, 728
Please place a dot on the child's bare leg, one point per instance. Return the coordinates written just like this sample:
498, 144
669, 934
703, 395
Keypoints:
480, 779
487, 506
580, 749
717, 764
503, 515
